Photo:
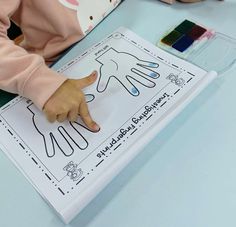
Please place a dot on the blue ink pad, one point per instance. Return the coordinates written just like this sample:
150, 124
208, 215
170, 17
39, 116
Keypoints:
183, 43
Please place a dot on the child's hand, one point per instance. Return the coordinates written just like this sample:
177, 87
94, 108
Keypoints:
68, 102
191, 1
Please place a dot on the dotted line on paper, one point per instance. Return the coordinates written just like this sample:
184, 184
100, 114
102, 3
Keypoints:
96, 46
68, 65
28, 153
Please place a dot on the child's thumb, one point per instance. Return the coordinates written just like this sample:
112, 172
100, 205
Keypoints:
86, 81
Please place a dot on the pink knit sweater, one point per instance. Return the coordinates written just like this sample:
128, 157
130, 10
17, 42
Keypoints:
48, 26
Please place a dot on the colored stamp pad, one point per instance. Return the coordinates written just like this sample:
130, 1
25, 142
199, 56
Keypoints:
185, 27
171, 38
183, 43
196, 32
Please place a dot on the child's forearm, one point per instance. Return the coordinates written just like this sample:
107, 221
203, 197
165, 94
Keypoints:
186, 1
20, 72
168, 1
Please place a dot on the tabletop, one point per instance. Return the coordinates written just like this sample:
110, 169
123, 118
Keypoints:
186, 175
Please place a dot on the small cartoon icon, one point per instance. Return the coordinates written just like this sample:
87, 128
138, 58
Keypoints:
176, 80
73, 171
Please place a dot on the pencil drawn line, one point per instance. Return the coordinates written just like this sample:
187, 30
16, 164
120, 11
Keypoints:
163, 104
80, 180
176, 91
117, 146
61, 191
133, 132
148, 117
47, 176
189, 79
99, 163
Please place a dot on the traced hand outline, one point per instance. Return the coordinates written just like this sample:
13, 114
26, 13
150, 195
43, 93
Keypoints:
89, 97
125, 67
66, 136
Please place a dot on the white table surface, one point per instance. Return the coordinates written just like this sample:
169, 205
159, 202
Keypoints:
186, 176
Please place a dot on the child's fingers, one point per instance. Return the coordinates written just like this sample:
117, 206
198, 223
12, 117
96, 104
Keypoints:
51, 116
73, 114
62, 117
86, 81
190, 1
85, 116
69, 100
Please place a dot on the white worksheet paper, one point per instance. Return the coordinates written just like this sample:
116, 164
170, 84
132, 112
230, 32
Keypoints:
139, 89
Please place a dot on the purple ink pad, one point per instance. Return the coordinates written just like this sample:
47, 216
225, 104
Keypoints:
196, 32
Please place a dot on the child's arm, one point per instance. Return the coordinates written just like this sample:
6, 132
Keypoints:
185, 1
190, 1
68, 101
26, 74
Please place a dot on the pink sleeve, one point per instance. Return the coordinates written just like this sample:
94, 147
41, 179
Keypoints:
20, 72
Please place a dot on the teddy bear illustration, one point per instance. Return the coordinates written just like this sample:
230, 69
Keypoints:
73, 171
90, 12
